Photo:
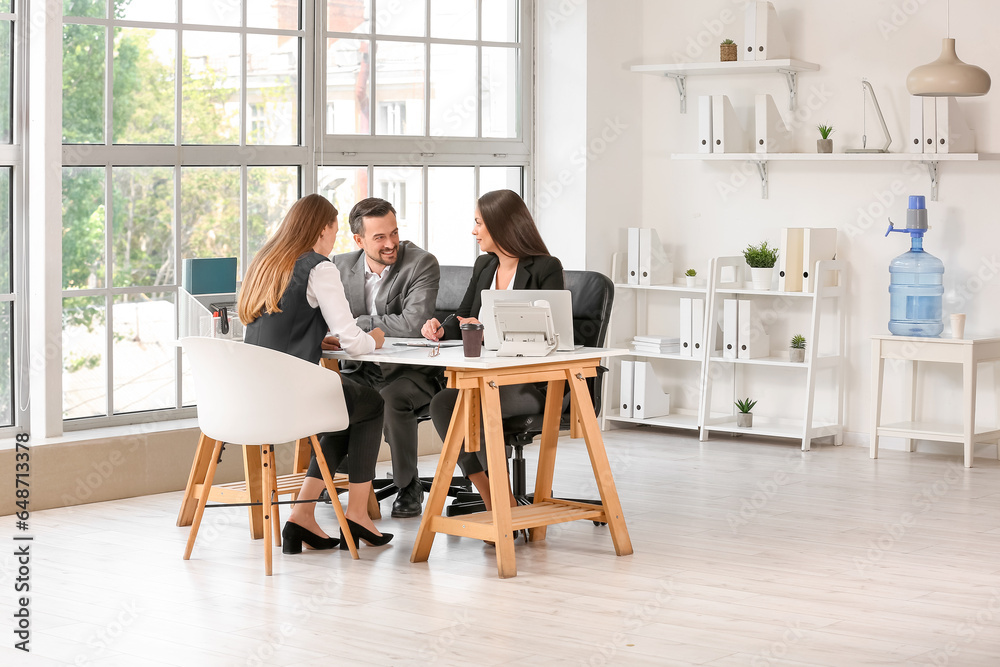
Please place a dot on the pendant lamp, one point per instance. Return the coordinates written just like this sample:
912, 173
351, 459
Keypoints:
948, 76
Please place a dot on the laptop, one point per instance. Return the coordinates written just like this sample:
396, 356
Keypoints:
560, 302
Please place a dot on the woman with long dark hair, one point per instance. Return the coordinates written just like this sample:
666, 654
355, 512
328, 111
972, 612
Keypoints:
516, 258
290, 298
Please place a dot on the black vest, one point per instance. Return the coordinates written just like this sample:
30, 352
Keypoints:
299, 328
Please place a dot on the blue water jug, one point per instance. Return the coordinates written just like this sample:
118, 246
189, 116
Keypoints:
916, 281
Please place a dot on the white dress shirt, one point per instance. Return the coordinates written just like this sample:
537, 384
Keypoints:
326, 291
373, 282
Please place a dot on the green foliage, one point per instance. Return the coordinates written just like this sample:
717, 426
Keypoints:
727, 42
825, 130
760, 256
745, 405
691, 272
798, 342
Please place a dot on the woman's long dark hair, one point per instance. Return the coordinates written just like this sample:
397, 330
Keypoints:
510, 224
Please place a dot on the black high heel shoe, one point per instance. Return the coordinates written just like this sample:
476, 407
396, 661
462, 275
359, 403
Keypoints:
359, 533
293, 535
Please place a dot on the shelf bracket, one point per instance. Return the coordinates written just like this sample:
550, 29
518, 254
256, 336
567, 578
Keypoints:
681, 81
932, 171
762, 170
793, 86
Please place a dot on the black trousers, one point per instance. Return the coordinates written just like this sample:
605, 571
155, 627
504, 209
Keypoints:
517, 399
359, 441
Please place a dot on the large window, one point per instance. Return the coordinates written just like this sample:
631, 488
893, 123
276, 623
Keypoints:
11, 208
182, 131
425, 105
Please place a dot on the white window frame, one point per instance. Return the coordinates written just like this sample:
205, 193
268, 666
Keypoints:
109, 155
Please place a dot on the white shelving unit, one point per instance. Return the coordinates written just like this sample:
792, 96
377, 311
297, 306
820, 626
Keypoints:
831, 291
683, 418
789, 67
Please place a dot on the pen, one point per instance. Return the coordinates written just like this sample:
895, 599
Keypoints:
446, 320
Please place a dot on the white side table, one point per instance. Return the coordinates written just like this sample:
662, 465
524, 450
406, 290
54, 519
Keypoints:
968, 352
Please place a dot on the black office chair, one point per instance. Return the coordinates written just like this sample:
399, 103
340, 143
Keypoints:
593, 294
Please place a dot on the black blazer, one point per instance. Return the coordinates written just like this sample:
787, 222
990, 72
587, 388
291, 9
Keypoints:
540, 272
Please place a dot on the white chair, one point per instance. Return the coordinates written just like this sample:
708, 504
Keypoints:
256, 397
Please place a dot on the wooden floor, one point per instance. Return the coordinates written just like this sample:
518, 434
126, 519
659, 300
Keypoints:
746, 553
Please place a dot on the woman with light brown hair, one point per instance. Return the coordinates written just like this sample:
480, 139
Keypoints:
290, 298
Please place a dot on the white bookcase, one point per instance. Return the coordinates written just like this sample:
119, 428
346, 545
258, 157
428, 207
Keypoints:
794, 385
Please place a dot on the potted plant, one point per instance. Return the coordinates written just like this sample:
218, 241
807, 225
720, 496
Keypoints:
824, 145
797, 349
689, 277
744, 418
761, 259
727, 50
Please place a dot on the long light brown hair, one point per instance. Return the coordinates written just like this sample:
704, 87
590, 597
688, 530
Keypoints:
271, 269
510, 224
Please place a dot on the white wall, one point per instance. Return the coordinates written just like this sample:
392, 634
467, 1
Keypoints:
704, 209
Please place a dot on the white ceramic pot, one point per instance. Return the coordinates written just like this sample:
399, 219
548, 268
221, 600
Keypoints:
689, 281
744, 419
797, 354
761, 278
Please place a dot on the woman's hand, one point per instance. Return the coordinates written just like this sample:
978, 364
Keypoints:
467, 320
330, 343
432, 330
379, 337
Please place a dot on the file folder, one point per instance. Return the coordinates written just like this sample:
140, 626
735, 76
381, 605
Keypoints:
750, 32
704, 123
647, 394
790, 259
633, 256
771, 135
685, 317
625, 402
730, 317
698, 326
753, 341
930, 124
655, 268
953, 135
817, 244
727, 134
915, 143
771, 42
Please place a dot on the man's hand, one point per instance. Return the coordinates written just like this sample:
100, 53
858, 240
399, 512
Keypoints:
379, 337
330, 343
432, 330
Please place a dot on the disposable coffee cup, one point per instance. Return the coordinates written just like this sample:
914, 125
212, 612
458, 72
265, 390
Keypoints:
958, 325
472, 339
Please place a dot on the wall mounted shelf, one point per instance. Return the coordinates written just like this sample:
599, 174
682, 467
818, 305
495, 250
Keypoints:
680, 71
761, 160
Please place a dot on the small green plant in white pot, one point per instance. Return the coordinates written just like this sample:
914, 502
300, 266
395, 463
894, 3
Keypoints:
689, 276
797, 348
744, 418
824, 145
761, 259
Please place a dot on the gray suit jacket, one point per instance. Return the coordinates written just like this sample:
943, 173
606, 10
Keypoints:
404, 303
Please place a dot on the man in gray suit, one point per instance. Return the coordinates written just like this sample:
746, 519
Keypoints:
393, 286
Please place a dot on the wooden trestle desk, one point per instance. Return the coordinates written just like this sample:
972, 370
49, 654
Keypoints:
478, 381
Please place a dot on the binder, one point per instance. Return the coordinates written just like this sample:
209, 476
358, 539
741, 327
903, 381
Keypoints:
915, 143
952, 134
726, 130
771, 135
817, 244
730, 317
790, 259
698, 326
633, 256
930, 124
648, 396
771, 42
625, 402
750, 32
704, 123
753, 341
655, 268
685, 316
